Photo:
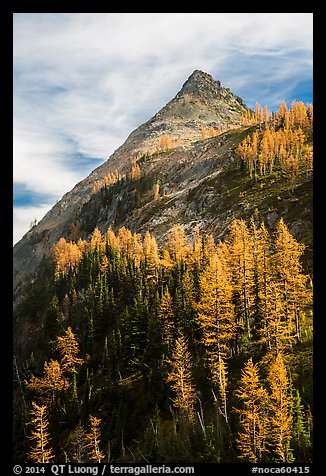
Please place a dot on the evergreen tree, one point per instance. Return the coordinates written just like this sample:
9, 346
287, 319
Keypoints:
167, 318
78, 443
301, 443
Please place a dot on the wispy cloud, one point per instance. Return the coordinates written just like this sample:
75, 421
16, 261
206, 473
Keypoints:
83, 82
24, 216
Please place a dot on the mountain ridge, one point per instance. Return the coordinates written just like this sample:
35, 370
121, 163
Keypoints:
201, 102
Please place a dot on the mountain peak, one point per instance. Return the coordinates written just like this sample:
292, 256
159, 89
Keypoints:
199, 81
202, 103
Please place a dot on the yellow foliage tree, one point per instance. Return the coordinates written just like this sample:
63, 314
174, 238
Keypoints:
164, 142
212, 132
66, 255
125, 240
203, 132
251, 439
69, 350
135, 171
94, 440
177, 242
180, 379
292, 169
151, 256
282, 146
136, 252
280, 405
240, 256
156, 192
259, 115
111, 240
215, 309
40, 451
52, 382
96, 239
221, 377
217, 320
291, 282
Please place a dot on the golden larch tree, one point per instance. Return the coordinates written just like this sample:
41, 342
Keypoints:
51, 384
221, 372
251, 439
203, 132
136, 248
125, 240
157, 192
292, 169
240, 246
217, 321
310, 114
40, 451
292, 283
164, 143
151, 256
94, 440
66, 255
112, 240
262, 275
274, 333
69, 350
212, 132
280, 417
266, 114
166, 261
180, 380
135, 171
281, 113
177, 242
259, 115
215, 308
96, 239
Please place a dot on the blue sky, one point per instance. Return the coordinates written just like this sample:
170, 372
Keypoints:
84, 81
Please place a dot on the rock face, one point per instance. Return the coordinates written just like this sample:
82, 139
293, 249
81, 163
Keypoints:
201, 102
